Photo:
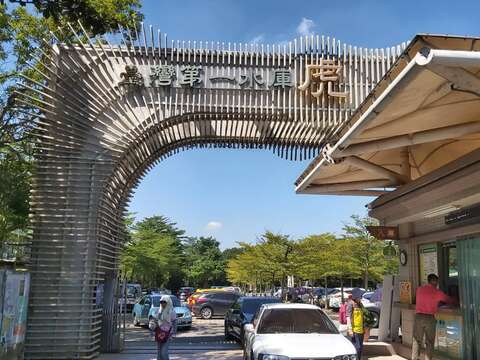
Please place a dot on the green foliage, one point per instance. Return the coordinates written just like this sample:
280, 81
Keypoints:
354, 255
14, 187
205, 264
158, 254
270, 260
153, 256
367, 250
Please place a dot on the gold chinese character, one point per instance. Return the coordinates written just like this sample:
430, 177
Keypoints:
327, 72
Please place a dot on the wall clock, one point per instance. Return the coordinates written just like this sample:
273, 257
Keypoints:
403, 257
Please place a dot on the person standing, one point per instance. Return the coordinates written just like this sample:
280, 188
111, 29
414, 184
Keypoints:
355, 321
166, 324
427, 299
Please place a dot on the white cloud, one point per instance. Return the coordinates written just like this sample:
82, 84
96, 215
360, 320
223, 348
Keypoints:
257, 39
306, 27
213, 225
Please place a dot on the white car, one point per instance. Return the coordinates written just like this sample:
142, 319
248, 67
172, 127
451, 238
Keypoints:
294, 331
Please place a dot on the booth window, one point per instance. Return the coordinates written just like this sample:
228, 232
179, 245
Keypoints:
449, 275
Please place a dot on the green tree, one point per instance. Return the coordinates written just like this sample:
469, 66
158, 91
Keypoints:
367, 250
14, 207
342, 261
271, 259
205, 265
231, 253
314, 257
154, 255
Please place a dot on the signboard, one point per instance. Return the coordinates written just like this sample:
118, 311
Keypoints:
14, 315
449, 335
428, 258
405, 292
210, 77
384, 232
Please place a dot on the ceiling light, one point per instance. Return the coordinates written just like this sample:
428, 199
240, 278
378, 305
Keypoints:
441, 210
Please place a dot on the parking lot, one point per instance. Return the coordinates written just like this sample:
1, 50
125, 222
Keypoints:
204, 341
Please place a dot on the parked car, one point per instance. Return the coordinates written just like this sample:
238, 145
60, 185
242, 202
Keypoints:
133, 292
235, 289
335, 298
184, 292
147, 307
191, 300
294, 331
242, 312
157, 291
213, 304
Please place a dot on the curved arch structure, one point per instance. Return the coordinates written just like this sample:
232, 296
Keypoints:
110, 112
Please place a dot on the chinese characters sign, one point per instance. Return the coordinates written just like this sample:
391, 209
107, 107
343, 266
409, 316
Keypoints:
325, 74
194, 76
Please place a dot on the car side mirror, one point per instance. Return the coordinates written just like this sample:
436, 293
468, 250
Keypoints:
249, 328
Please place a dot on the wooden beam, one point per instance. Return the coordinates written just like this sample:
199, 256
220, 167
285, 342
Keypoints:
352, 185
375, 193
421, 137
375, 169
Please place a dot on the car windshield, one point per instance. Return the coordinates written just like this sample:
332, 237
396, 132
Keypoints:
252, 305
175, 301
302, 321
132, 291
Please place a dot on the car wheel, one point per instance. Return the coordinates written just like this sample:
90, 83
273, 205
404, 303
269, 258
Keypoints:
135, 320
206, 313
376, 319
228, 336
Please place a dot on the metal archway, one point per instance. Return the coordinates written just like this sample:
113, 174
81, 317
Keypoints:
108, 113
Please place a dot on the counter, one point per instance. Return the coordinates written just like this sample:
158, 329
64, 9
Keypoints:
448, 341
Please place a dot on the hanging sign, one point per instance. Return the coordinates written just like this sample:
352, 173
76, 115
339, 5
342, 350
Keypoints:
384, 232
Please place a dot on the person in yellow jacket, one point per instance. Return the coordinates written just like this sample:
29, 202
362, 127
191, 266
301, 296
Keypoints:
356, 321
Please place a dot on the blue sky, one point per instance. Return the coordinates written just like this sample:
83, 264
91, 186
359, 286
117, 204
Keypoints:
235, 195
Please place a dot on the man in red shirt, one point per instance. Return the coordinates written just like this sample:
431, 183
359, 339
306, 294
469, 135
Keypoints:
427, 299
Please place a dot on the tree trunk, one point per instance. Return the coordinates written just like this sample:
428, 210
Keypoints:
365, 283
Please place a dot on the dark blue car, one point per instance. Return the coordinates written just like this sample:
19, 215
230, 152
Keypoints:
242, 312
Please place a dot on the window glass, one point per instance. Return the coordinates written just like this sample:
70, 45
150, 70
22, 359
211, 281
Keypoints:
142, 301
237, 305
256, 316
175, 301
302, 321
251, 306
452, 262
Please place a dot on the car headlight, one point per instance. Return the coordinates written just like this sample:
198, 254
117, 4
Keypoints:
346, 357
188, 314
272, 357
